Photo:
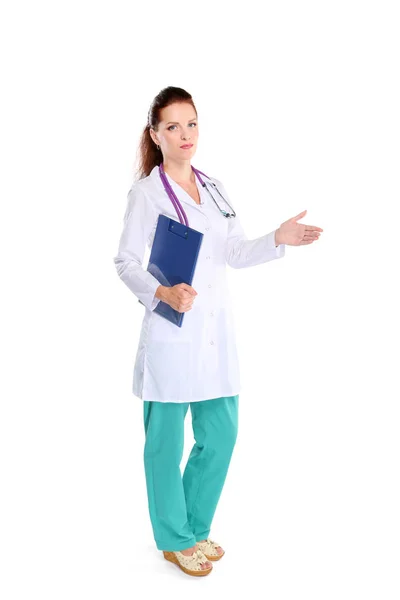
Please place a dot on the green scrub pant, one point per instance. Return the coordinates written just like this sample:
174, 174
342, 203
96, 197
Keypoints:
182, 507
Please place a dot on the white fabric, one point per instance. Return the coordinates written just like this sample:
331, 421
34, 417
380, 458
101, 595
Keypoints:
199, 360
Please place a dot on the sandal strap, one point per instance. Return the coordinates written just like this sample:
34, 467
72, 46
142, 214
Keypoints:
192, 562
209, 547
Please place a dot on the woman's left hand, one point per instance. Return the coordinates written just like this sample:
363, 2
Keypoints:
296, 234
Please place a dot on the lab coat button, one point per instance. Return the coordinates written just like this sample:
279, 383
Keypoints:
211, 342
209, 285
207, 228
211, 314
207, 257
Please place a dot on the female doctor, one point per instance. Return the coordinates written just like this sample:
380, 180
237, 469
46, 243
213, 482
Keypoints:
194, 365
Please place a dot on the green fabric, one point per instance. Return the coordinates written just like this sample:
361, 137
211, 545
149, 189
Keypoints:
182, 507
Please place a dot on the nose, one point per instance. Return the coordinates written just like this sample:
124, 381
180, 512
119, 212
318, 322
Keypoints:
186, 136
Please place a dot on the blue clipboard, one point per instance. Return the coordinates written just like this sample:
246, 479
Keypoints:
173, 260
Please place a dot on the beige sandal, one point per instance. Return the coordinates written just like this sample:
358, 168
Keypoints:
209, 549
189, 564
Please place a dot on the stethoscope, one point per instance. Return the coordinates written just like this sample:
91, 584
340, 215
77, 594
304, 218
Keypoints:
178, 205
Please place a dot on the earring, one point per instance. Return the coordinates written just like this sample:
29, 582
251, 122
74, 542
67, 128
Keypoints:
158, 147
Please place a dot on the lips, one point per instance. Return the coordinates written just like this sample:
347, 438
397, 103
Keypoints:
187, 146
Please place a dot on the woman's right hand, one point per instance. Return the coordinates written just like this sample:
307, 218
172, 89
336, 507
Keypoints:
180, 296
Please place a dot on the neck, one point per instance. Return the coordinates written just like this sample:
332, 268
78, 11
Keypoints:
179, 171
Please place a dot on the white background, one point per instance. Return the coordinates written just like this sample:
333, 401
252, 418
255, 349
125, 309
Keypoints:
298, 103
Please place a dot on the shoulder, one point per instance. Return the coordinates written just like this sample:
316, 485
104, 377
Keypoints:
142, 188
216, 181
221, 187
140, 201
148, 186
213, 179
139, 187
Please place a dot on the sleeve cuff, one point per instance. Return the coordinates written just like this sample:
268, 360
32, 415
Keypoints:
280, 250
149, 299
155, 300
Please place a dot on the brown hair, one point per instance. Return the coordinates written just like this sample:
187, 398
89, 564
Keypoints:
149, 154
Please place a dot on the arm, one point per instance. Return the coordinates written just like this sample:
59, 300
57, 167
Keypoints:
241, 252
139, 220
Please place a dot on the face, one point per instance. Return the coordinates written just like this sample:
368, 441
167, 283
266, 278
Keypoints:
178, 127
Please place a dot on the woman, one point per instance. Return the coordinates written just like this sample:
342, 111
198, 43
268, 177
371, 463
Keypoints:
196, 364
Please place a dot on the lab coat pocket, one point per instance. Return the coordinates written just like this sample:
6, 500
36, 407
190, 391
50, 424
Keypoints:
168, 370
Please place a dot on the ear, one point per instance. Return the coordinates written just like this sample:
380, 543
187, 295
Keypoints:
153, 137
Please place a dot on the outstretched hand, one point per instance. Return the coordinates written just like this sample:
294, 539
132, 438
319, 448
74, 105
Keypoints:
297, 234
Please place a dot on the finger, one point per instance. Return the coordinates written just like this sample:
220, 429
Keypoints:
187, 294
185, 303
313, 228
185, 306
299, 216
304, 243
187, 288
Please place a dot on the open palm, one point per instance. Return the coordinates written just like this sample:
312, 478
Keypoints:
293, 233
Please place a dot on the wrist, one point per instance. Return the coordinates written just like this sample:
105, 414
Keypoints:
277, 238
161, 292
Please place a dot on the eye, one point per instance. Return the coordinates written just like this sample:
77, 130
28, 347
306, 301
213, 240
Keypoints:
169, 128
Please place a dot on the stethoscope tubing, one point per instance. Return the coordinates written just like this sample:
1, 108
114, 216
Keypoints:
178, 206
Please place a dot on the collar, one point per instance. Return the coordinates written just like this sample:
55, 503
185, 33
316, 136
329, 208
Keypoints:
181, 194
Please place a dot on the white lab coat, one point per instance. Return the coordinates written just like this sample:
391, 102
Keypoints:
199, 360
